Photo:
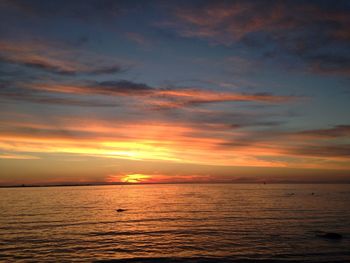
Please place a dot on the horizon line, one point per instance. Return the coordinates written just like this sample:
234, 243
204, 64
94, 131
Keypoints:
159, 183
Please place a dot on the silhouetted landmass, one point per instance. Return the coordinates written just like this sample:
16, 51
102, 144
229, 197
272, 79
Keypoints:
151, 183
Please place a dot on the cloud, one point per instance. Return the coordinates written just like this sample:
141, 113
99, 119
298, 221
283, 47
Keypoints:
120, 87
197, 96
323, 144
231, 21
334, 132
328, 151
74, 95
316, 32
52, 58
228, 22
138, 39
139, 140
127, 141
24, 95
331, 64
175, 97
83, 10
17, 156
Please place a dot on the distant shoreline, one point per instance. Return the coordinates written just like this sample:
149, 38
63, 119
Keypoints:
118, 184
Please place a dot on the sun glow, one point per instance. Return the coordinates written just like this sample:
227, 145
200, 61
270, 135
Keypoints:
157, 141
135, 178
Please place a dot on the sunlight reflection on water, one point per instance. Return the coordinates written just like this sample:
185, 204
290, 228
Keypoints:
179, 221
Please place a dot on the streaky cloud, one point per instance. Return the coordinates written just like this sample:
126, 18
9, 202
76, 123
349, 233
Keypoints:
158, 97
325, 151
43, 99
56, 59
334, 132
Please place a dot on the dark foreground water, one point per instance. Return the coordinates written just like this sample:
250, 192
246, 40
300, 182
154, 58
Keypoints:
175, 223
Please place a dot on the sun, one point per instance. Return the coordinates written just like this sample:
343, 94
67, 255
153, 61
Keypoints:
135, 178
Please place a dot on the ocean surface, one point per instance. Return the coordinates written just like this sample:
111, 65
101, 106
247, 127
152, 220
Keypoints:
175, 223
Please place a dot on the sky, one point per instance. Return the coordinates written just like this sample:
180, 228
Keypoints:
101, 91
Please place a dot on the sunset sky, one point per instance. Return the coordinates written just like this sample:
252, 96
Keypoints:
100, 91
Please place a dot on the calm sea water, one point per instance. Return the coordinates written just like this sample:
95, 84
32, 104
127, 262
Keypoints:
174, 223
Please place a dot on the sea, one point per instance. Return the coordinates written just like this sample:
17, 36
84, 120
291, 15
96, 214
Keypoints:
175, 223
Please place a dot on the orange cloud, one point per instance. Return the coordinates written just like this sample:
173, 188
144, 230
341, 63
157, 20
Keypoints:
158, 97
230, 22
202, 96
17, 156
172, 142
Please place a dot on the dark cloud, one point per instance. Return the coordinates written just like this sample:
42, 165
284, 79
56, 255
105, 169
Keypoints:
51, 68
237, 119
334, 132
315, 31
167, 101
332, 150
120, 87
56, 69
11, 92
158, 98
106, 70
55, 100
55, 58
334, 64
321, 143
85, 10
